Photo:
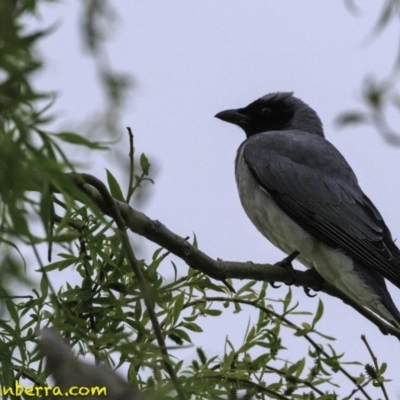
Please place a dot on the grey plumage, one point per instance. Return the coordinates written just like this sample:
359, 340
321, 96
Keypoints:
301, 194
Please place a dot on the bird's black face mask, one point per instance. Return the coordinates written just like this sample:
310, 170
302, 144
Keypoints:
260, 116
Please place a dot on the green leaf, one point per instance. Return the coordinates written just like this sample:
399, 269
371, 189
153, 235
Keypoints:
246, 288
13, 311
237, 307
60, 265
157, 253
319, 313
382, 369
115, 189
178, 366
287, 301
178, 305
181, 333
297, 368
138, 309
137, 326
74, 138
202, 355
351, 118
228, 359
325, 336
46, 210
19, 221
192, 326
302, 332
195, 244
144, 164
44, 287
213, 313
375, 95
15, 247
387, 13
333, 363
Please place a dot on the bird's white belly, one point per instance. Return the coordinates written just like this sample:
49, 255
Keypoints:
270, 220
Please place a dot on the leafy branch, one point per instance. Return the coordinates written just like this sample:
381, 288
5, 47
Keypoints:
156, 232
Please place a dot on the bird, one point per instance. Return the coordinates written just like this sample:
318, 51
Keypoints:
303, 196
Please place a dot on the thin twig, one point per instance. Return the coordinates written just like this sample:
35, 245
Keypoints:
258, 387
375, 361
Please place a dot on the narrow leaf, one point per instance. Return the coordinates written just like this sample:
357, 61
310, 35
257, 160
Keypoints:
113, 184
74, 138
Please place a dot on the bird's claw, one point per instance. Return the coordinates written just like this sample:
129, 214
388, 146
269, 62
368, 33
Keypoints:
307, 291
287, 261
274, 285
321, 280
287, 264
321, 283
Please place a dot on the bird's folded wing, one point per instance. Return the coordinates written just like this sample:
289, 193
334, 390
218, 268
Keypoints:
312, 182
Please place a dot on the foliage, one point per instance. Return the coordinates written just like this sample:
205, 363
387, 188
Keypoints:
112, 313
379, 96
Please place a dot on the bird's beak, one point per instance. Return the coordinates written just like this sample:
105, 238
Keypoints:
233, 117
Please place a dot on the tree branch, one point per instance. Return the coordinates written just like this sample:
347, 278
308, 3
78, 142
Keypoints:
156, 232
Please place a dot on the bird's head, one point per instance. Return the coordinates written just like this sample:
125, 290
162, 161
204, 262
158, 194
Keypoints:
274, 112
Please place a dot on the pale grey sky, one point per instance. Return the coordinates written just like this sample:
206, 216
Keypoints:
191, 60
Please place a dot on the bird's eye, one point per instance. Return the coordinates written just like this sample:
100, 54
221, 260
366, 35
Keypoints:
266, 111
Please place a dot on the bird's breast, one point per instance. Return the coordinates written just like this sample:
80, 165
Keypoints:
269, 218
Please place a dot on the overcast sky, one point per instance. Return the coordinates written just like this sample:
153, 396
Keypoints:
191, 60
